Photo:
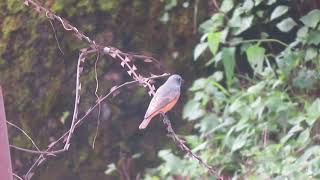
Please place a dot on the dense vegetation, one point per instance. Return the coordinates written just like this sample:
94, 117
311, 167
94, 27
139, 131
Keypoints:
258, 114
252, 101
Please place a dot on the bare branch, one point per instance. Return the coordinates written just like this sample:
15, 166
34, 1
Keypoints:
42, 157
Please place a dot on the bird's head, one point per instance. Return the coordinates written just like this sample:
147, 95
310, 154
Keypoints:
176, 79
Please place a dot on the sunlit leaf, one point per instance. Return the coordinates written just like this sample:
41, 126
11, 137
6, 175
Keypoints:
226, 6
270, 2
255, 55
240, 23
192, 110
209, 122
228, 60
314, 37
311, 53
278, 11
200, 48
248, 5
313, 112
200, 83
306, 79
214, 41
304, 138
312, 18
286, 25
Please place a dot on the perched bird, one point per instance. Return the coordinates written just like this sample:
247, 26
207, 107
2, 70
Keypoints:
164, 99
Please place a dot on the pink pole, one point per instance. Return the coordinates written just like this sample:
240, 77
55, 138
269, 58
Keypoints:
5, 158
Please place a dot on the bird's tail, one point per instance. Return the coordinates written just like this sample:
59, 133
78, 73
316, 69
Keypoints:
145, 123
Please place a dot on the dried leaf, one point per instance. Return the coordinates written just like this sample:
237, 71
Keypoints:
147, 60
126, 59
106, 50
26, 3
150, 93
134, 68
129, 72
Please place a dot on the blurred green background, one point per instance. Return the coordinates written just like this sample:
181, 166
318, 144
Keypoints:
250, 104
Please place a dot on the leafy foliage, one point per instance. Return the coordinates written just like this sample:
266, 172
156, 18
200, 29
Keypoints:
261, 122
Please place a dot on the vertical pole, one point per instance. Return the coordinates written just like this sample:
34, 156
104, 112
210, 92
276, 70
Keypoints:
5, 159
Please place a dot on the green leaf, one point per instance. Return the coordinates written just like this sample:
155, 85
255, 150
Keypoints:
270, 2
257, 2
192, 110
170, 4
226, 6
248, 5
193, 140
286, 25
312, 18
228, 60
314, 37
239, 23
255, 55
213, 24
313, 112
278, 11
304, 138
311, 53
199, 84
217, 76
293, 131
200, 48
239, 142
310, 152
173, 163
306, 79
214, 41
257, 88
302, 34
289, 61
207, 123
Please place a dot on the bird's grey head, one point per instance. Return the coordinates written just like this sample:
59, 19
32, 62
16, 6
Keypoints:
175, 79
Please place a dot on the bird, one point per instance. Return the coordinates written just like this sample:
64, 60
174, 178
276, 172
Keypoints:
164, 99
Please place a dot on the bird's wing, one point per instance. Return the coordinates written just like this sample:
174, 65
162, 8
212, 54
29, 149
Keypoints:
162, 97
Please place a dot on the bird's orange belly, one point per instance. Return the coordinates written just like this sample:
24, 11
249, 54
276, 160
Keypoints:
169, 106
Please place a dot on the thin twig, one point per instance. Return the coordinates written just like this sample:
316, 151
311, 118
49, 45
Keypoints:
81, 59
185, 148
17, 127
66, 25
15, 175
55, 36
97, 96
51, 153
